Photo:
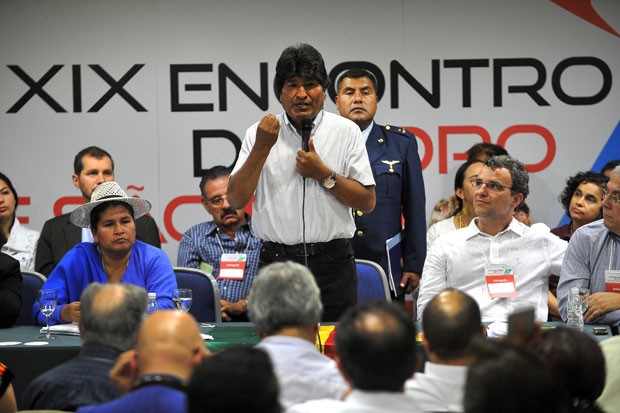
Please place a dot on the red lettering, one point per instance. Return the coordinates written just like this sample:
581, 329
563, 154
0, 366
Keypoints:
444, 131
64, 201
427, 143
170, 208
535, 129
23, 200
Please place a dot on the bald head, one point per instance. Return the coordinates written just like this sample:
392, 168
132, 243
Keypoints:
111, 314
169, 342
450, 321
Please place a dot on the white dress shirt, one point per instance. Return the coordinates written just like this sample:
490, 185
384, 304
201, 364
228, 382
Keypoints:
22, 245
458, 260
438, 229
277, 207
439, 389
303, 373
361, 402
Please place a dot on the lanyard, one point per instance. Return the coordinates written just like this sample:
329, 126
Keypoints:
217, 235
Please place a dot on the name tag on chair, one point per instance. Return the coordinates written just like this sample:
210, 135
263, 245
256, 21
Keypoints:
232, 266
500, 281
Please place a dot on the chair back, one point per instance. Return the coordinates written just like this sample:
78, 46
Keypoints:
371, 281
205, 293
31, 284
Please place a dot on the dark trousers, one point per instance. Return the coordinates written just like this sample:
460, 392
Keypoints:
333, 266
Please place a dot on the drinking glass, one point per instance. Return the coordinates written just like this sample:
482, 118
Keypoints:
584, 293
47, 300
182, 299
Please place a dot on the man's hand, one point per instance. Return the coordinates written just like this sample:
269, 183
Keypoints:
71, 313
310, 165
409, 281
229, 308
124, 372
267, 132
601, 304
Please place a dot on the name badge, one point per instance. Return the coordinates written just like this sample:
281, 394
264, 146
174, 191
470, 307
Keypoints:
612, 281
500, 281
232, 266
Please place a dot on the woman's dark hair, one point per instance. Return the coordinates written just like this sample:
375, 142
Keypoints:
459, 179
12, 188
574, 181
95, 214
576, 361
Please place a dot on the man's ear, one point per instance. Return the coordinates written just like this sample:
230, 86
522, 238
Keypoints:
76, 180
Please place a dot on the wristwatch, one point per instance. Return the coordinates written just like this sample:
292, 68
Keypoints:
329, 181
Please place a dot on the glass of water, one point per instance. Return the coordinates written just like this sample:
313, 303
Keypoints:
47, 300
182, 299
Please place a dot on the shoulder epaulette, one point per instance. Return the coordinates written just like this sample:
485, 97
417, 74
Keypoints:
395, 129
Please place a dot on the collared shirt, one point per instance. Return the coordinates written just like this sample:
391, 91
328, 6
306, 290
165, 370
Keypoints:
366, 132
592, 250
78, 382
204, 243
303, 373
438, 229
439, 389
22, 245
359, 401
458, 260
277, 209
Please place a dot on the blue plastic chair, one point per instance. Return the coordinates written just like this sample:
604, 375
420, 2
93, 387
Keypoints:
31, 284
205, 293
371, 281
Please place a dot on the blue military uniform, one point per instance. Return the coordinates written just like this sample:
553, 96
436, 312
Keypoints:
393, 155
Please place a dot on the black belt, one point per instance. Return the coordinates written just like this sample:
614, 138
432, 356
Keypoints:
317, 248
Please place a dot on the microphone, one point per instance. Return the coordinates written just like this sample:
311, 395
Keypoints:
306, 128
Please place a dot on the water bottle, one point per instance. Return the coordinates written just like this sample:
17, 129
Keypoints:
152, 305
575, 309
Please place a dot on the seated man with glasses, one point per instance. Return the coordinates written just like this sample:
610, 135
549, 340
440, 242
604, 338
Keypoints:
500, 262
593, 261
225, 247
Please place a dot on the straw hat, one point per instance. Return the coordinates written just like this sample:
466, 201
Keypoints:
106, 192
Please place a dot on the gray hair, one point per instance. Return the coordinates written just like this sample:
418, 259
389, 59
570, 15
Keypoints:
616, 171
284, 294
518, 173
113, 326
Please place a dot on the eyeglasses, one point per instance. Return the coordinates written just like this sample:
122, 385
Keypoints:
217, 201
491, 186
614, 196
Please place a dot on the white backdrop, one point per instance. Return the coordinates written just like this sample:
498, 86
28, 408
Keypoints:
90, 96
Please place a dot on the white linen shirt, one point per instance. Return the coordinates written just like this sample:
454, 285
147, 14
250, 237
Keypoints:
22, 245
277, 209
458, 260
439, 389
303, 373
438, 229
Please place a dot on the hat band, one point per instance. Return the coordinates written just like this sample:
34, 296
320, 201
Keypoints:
110, 197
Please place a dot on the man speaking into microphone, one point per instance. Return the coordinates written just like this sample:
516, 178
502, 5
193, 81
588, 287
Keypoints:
302, 208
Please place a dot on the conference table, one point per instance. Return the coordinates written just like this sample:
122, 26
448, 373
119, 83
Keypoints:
28, 356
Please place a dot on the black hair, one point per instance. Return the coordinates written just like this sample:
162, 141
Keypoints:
94, 151
486, 150
211, 174
459, 183
610, 166
518, 173
12, 188
573, 182
357, 73
95, 214
300, 60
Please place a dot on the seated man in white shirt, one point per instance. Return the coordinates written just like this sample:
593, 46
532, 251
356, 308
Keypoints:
451, 320
376, 353
285, 307
500, 262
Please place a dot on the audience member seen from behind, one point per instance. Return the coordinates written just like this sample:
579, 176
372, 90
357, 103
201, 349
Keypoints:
10, 290
376, 353
609, 167
18, 241
230, 233
111, 317
154, 374
481, 151
115, 256
464, 212
91, 167
576, 361
8, 404
508, 379
593, 261
450, 322
285, 307
237, 379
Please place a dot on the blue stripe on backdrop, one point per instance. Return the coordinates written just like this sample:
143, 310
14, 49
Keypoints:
610, 152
